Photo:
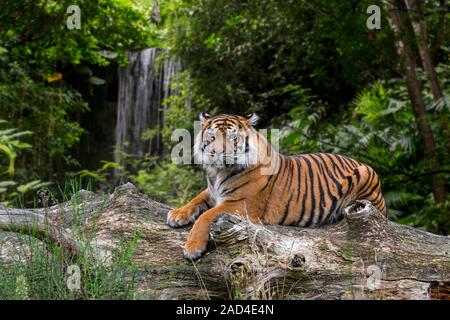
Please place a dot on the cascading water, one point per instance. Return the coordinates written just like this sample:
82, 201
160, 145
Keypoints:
143, 85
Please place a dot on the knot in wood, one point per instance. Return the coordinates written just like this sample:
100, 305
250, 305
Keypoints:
298, 260
224, 223
239, 267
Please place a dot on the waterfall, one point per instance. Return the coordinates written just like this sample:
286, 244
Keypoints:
143, 85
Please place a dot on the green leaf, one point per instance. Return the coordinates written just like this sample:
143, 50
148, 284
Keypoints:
11, 157
33, 185
7, 183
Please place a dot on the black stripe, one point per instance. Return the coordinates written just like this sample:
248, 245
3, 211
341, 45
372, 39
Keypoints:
290, 167
337, 184
377, 196
298, 167
352, 161
237, 174
357, 174
367, 194
327, 176
368, 183
271, 176
332, 158
338, 157
234, 200
235, 188
286, 211
335, 166
302, 213
375, 187
368, 179
297, 161
321, 193
280, 157
377, 202
227, 177
350, 182
312, 196
291, 171
347, 163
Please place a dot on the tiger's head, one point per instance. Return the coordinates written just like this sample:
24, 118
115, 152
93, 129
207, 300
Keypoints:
227, 141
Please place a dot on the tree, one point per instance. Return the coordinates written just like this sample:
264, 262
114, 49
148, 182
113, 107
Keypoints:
38, 56
249, 55
419, 27
405, 51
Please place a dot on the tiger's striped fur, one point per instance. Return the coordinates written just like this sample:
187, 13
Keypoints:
304, 190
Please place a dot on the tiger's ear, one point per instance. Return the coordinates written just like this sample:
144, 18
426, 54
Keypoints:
252, 119
203, 116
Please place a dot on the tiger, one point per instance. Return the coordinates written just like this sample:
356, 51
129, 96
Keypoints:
248, 177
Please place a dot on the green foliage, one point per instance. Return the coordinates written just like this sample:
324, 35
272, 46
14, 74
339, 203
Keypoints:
382, 132
103, 173
43, 272
43, 275
10, 144
108, 28
170, 183
237, 52
38, 52
33, 106
312, 68
161, 179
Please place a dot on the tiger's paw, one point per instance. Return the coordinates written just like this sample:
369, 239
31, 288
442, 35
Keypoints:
194, 249
181, 216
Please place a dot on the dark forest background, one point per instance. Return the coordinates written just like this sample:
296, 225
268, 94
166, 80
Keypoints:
310, 68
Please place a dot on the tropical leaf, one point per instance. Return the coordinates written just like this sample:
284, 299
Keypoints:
7, 183
9, 152
33, 185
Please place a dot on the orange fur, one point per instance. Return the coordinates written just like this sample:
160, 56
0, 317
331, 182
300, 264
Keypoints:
303, 190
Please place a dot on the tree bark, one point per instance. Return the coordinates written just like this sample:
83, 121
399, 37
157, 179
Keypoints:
419, 27
413, 85
362, 257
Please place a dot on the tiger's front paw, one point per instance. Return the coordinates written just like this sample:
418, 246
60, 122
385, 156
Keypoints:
193, 249
181, 216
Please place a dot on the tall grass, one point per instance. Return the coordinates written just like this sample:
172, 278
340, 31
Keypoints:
30, 269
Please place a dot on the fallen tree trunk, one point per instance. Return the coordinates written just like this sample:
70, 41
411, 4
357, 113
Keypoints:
362, 257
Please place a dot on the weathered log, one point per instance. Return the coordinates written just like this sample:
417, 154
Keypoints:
362, 257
